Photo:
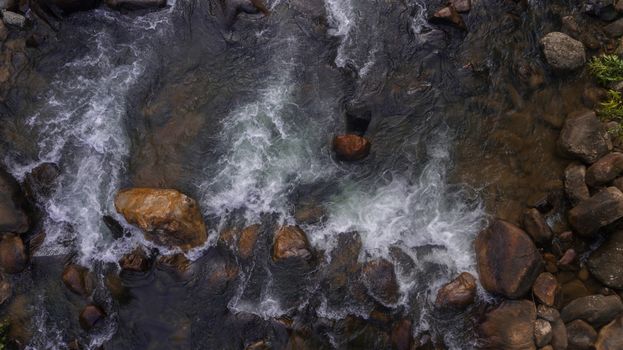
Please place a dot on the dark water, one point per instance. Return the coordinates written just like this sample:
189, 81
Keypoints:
241, 117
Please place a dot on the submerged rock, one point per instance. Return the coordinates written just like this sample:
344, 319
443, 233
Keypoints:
562, 52
602, 209
13, 217
41, 180
380, 279
449, 15
606, 262
584, 137
459, 293
291, 242
508, 261
351, 147
536, 227
611, 336
167, 216
136, 261
594, 309
13, 257
78, 280
136, 4
90, 316
575, 183
606, 169
509, 326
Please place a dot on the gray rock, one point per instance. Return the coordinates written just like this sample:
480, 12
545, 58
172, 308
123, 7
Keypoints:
606, 169
606, 262
562, 52
615, 29
575, 183
595, 309
13, 19
580, 335
584, 137
602, 209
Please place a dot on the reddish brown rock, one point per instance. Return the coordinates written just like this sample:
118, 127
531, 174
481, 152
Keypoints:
167, 216
291, 242
459, 293
90, 316
461, 5
248, 240
611, 336
13, 258
575, 183
136, 261
448, 15
509, 326
78, 280
380, 279
351, 147
508, 261
546, 289
602, 209
606, 169
536, 227
568, 258
177, 263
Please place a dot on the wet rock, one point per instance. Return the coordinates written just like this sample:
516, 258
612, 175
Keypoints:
448, 15
351, 147
574, 289
461, 5
248, 240
291, 242
136, 261
568, 258
606, 169
580, 335
380, 279
575, 183
594, 309
177, 263
559, 335
584, 137
536, 227
13, 19
459, 293
606, 262
562, 52
546, 288
611, 336
13, 258
90, 316
41, 180
136, 4
547, 313
508, 261
401, 337
542, 332
115, 228
615, 29
342, 277
602, 209
13, 217
166, 216
310, 214
509, 326
115, 286
78, 280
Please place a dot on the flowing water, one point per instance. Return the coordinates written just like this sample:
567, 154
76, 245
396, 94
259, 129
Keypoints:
240, 116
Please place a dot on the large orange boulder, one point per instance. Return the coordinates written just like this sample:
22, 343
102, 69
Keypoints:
351, 147
291, 242
167, 217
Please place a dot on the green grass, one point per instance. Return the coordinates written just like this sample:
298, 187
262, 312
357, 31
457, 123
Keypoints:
612, 107
607, 68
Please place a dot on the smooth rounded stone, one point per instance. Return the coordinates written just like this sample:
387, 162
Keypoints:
546, 289
459, 293
291, 242
13, 19
575, 183
606, 169
136, 4
580, 335
603, 208
559, 335
509, 326
13, 257
41, 180
401, 336
606, 262
568, 258
508, 261
167, 217
78, 279
595, 309
611, 336
584, 137
13, 218
534, 224
562, 52
542, 332
136, 261
351, 147
380, 279
448, 15
90, 316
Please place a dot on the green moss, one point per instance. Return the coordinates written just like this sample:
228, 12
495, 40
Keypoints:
612, 107
4, 335
607, 68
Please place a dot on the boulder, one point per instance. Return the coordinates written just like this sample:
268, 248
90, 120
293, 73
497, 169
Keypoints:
13, 217
448, 15
509, 326
606, 169
594, 309
562, 52
78, 279
351, 147
136, 261
342, 280
380, 279
459, 293
542, 332
602, 209
41, 180
167, 217
90, 316
291, 242
546, 289
136, 4
248, 240
606, 262
575, 183
536, 227
13, 257
13, 19
508, 261
611, 336
580, 335
584, 137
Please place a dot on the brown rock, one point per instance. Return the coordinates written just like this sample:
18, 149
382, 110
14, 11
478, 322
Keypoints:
568, 258
167, 216
247, 241
401, 336
575, 183
542, 332
606, 169
559, 335
461, 5
508, 261
448, 15
580, 335
13, 258
546, 289
584, 137
611, 336
177, 263
90, 316
536, 227
351, 147
594, 309
606, 262
509, 326
310, 214
291, 242
136, 261
459, 293
380, 279
602, 209
547, 313
77, 279
41, 180
13, 218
